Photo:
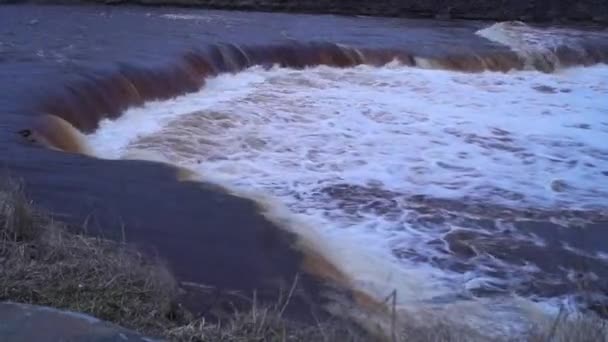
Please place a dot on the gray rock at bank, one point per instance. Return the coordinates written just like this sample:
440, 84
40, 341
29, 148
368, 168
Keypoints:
31, 323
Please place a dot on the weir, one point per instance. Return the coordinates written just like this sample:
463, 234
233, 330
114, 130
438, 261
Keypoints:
98, 96
207, 235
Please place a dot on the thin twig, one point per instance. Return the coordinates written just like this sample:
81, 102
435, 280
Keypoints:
553, 329
293, 287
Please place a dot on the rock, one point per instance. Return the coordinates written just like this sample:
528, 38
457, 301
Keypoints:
23, 322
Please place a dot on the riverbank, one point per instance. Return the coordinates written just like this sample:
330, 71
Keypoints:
529, 11
43, 263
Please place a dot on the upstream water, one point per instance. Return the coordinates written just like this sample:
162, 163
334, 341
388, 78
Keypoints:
453, 188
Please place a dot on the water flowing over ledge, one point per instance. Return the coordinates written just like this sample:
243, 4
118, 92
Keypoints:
98, 96
82, 105
429, 170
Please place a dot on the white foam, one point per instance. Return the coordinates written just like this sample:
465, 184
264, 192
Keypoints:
197, 17
413, 131
290, 133
371, 268
113, 136
535, 44
227, 21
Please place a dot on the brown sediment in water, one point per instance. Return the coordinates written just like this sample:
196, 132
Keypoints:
54, 132
321, 267
81, 106
93, 98
96, 97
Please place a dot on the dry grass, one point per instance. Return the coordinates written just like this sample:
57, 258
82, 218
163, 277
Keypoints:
265, 324
42, 263
577, 328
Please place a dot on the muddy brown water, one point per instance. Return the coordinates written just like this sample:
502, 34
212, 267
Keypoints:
86, 63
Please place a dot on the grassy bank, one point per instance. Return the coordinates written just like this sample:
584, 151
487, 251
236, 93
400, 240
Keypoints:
43, 263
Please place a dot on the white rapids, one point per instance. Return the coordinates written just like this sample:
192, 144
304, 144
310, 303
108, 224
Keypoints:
409, 130
520, 139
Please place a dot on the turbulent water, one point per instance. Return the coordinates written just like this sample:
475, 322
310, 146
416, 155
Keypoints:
452, 188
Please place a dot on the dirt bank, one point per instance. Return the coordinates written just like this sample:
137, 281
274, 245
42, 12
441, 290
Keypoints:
501, 10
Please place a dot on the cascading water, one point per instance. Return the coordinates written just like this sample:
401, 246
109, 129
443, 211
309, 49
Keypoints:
440, 185
465, 171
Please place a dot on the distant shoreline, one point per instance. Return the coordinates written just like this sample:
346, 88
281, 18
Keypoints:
560, 11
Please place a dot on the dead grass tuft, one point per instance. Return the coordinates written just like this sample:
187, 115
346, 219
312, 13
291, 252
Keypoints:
18, 221
571, 328
42, 263
265, 324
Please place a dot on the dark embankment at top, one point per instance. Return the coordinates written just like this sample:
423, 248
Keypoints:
527, 10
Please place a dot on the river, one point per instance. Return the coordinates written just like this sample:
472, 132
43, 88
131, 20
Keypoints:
462, 164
